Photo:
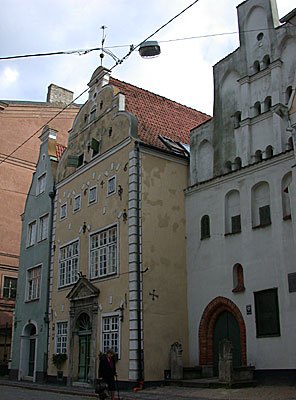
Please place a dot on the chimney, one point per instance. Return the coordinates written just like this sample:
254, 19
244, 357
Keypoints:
58, 95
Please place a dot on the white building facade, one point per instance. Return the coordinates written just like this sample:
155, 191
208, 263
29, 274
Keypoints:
241, 204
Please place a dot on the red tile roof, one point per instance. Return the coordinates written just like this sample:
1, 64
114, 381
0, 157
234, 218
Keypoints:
60, 150
158, 115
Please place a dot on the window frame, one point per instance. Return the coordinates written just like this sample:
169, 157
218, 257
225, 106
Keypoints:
36, 278
94, 201
75, 210
65, 261
41, 188
31, 237
9, 288
63, 344
104, 348
40, 226
114, 177
95, 254
275, 314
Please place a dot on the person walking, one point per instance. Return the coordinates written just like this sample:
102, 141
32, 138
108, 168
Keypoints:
107, 371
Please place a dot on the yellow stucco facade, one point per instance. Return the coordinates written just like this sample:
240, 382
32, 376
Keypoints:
119, 244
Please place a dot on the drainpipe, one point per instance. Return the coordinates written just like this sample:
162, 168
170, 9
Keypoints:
46, 318
138, 258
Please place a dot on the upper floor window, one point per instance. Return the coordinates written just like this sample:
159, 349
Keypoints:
92, 195
261, 205
237, 119
269, 152
95, 146
205, 227
232, 212
77, 203
257, 108
237, 163
258, 155
92, 115
33, 283
289, 91
290, 145
228, 166
31, 238
267, 313
41, 182
103, 253
68, 264
61, 337
111, 185
63, 211
267, 103
9, 287
43, 227
256, 66
266, 61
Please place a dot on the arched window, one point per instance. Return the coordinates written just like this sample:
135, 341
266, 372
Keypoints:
232, 212
267, 103
237, 163
257, 108
261, 205
205, 227
228, 166
286, 182
288, 93
238, 279
256, 66
237, 119
269, 152
266, 61
258, 155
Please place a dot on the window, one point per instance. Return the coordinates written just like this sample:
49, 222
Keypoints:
111, 185
232, 212
266, 61
111, 334
269, 151
61, 337
205, 227
257, 108
9, 287
33, 283
77, 203
267, 103
68, 264
103, 253
237, 119
292, 282
267, 313
228, 166
237, 163
264, 215
286, 203
75, 161
95, 146
256, 66
92, 115
289, 91
261, 205
43, 228
31, 239
63, 211
258, 155
92, 195
41, 182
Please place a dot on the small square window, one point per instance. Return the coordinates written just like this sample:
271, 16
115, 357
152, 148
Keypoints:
9, 287
92, 196
77, 203
111, 185
63, 213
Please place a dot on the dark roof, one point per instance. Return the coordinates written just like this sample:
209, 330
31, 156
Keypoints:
158, 115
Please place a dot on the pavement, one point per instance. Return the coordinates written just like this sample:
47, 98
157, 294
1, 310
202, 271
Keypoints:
170, 392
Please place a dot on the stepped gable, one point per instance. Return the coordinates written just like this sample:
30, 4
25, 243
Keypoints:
158, 115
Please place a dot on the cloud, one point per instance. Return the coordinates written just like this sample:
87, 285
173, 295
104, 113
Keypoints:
8, 77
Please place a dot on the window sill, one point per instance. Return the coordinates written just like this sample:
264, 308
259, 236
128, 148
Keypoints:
205, 237
261, 225
32, 300
287, 217
238, 289
231, 233
268, 336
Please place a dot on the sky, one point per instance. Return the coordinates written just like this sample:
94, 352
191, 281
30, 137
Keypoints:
183, 71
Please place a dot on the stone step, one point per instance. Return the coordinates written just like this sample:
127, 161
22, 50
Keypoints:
208, 383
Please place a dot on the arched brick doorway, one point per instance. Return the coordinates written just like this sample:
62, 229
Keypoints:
206, 329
